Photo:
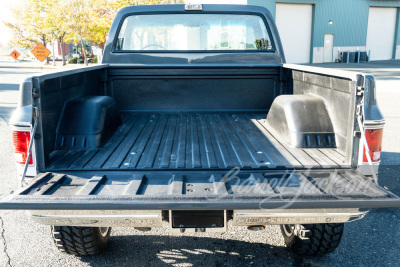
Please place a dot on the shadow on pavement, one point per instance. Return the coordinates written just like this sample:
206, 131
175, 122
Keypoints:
154, 250
389, 177
389, 171
9, 87
5, 113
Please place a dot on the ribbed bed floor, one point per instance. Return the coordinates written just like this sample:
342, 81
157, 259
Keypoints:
194, 141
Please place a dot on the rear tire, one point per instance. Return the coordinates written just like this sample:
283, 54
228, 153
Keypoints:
81, 241
312, 239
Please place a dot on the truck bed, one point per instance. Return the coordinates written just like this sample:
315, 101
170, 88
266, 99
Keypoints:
194, 141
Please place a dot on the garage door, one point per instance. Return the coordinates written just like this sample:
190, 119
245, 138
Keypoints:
381, 31
294, 23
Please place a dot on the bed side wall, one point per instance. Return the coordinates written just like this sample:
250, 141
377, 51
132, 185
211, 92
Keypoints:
339, 97
55, 90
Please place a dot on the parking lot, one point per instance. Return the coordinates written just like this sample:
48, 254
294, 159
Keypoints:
373, 241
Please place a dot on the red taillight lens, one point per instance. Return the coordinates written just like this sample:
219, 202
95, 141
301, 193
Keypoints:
374, 140
21, 145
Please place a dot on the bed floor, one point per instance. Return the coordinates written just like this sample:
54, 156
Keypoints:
194, 141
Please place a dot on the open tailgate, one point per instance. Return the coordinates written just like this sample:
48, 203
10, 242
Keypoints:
202, 190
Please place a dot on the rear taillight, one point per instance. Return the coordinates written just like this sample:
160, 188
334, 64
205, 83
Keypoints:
21, 145
374, 140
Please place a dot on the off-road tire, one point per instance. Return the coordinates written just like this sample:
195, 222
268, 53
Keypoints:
81, 241
312, 239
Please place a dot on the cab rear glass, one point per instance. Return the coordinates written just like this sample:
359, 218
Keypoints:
193, 32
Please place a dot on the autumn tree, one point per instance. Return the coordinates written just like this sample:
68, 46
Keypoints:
91, 19
68, 20
78, 20
55, 22
104, 11
30, 27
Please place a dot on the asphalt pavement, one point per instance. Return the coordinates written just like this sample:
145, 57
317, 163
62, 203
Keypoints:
373, 241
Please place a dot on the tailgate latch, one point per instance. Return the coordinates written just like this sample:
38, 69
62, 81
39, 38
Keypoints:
360, 90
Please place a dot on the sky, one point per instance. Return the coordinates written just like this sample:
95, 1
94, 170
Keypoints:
5, 14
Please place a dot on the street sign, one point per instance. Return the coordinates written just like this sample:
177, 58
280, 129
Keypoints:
40, 52
15, 54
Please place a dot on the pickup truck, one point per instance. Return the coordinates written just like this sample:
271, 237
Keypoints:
195, 119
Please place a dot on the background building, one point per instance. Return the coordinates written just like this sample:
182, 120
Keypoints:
317, 31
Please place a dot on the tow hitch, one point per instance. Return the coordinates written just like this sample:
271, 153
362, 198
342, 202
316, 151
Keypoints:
182, 221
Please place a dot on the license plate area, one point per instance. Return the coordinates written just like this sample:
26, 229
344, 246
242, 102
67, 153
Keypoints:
197, 221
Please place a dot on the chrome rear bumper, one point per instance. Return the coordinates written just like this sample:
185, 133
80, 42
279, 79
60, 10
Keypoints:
154, 218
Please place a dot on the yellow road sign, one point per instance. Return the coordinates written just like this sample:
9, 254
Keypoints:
40, 52
15, 54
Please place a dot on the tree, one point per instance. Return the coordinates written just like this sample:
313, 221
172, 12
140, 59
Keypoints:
80, 22
91, 19
30, 27
71, 20
55, 21
104, 11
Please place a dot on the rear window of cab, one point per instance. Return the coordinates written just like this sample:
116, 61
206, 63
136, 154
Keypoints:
193, 32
